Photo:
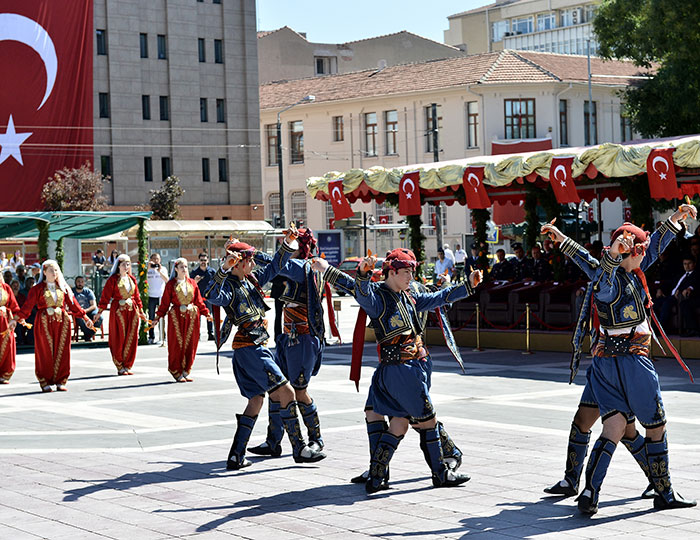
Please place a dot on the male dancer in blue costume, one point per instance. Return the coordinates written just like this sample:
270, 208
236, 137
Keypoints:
237, 287
400, 388
299, 348
622, 378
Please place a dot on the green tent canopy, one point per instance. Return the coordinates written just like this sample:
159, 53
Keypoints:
68, 224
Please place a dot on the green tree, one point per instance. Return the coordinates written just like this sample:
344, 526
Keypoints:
164, 202
662, 35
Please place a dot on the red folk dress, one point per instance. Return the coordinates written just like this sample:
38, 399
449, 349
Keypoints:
52, 331
183, 323
123, 319
8, 346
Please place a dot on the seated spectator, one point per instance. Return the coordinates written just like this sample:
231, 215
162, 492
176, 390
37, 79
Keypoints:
686, 295
16, 260
21, 274
8, 276
87, 301
36, 270
442, 265
3, 260
16, 290
502, 270
29, 282
548, 249
541, 269
522, 265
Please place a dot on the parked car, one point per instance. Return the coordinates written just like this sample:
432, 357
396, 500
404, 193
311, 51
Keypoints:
349, 266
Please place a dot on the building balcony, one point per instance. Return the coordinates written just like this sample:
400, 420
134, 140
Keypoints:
565, 40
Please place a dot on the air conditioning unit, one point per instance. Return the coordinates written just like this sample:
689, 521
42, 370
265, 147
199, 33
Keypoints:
577, 16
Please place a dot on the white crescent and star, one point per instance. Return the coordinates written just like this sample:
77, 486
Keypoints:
469, 179
407, 181
556, 177
663, 160
333, 192
14, 27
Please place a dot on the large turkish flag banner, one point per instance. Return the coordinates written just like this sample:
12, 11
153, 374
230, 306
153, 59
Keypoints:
409, 194
46, 50
474, 190
562, 181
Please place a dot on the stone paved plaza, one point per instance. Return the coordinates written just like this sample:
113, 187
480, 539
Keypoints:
143, 458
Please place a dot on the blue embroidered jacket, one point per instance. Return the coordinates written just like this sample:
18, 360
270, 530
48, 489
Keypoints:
394, 314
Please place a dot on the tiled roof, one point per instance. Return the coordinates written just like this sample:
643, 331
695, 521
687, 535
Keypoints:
503, 67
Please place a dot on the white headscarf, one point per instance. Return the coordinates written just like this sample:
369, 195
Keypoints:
60, 280
173, 273
115, 266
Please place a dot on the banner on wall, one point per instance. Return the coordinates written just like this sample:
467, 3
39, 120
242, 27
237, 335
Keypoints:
46, 50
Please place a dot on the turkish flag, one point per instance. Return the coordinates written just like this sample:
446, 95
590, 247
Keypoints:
383, 220
341, 206
474, 190
409, 194
662, 174
561, 180
46, 50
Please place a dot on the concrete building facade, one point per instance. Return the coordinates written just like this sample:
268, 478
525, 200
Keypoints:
371, 118
285, 54
176, 92
558, 26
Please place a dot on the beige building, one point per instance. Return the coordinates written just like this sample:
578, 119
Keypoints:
381, 118
284, 54
559, 26
176, 92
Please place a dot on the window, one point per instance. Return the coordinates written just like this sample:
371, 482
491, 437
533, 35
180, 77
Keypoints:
325, 65
106, 165
298, 206
499, 29
546, 21
429, 126
146, 107
223, 170
143, 43
384, 213
563, 123
296, 137
338, 134
101, 42
391, 123
216, 1
164, 108
162, 49
522, 26
104, 104
271, 136
472, 124
626, 128
165, 168
205, 170
589, 12
588, 140
203, 110
370, 120
273, 207
148, 169
202, 50
218, 51
519, 118
432, 212
220, 111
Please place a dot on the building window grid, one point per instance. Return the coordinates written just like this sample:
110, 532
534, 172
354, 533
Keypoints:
143, 45
472, 124
519, 118
223, 170
218, 51
523, 25
203, 110
337, 124
586, 125
146, 107
370, 121
499, 29
165, 167
391, 125
164, 106
206, 177
101, 42
148, 169
162, 47
271, 137
273, 206
546, 21
296, 138
429, 126
563, 123
298, 206
103, 99
221, 111
201, 50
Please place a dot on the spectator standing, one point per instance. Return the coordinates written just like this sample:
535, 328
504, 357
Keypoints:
16, 261
35, 270
202, 276
21, 274
157, 278
86, 298
8, 276
448, 253
473, 259
442, 265
113, 256
99, 261
460, 262
686, 295
3, 260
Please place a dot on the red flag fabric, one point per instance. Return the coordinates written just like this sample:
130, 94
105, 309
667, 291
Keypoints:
409, 194
46, 50
662, 174
562, 181
474, 190
341, 206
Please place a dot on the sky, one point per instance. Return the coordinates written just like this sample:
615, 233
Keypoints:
332, 21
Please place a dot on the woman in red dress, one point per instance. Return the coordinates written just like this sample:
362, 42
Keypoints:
8, 347
183, 294
125, 311
56, 307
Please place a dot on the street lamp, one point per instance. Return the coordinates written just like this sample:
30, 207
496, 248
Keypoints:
306, 99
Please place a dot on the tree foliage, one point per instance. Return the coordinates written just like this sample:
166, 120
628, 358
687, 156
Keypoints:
74, 189
663, 35
165, 202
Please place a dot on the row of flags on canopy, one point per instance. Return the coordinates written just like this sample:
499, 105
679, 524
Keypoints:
660, 172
